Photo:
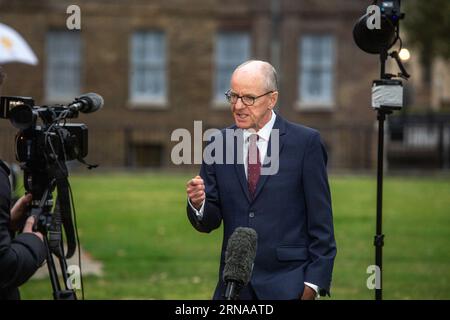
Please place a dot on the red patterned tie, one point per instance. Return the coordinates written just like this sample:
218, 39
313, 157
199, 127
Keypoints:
254, 164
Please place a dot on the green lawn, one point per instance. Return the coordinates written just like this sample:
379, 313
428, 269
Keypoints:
136, 225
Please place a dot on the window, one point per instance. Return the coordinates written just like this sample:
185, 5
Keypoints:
232, 49
316, 64
147, 155
148, 68
63, 51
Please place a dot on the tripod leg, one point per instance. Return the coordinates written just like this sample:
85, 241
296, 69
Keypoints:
58, 294
68, 293
64, 270
53, 274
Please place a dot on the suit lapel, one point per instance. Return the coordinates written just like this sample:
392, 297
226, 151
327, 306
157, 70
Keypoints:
281, 126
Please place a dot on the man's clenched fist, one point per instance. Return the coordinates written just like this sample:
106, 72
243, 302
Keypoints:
195, 189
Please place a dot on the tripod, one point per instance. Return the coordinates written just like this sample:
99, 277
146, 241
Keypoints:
50, 225
42, 183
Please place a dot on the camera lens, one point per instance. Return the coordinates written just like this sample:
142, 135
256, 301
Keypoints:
22, 117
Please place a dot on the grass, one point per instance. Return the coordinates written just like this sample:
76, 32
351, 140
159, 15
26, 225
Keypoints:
136, 225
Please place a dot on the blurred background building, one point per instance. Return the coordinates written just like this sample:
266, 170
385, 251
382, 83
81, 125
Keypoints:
162, 64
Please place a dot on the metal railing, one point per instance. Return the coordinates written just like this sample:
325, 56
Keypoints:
421, 142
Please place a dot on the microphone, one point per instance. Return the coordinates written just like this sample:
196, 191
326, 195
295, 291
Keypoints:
239, 258
87, 103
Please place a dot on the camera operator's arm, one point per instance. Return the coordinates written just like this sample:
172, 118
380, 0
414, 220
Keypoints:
19, 257
18, 216
19, 219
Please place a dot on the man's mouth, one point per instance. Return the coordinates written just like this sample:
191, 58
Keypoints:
241, 115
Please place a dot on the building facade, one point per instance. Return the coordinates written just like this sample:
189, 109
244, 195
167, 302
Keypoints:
161, 65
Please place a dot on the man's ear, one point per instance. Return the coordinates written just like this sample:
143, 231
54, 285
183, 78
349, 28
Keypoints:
273, 99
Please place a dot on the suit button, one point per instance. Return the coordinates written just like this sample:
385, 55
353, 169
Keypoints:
251, 214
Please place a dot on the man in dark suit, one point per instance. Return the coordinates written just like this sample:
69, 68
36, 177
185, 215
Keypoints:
22, 255
289, 207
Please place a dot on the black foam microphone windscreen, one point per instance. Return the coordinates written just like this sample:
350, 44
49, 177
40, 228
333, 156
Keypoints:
240, 255
87, 103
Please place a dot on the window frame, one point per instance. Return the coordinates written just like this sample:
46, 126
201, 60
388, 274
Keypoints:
159, 101
328, 67
227, 66
61, 62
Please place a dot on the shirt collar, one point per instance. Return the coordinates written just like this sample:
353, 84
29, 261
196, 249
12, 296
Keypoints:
264, 132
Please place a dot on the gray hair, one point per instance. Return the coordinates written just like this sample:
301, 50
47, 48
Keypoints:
268, 71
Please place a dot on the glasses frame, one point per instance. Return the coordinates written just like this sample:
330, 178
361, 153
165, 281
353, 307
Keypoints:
228, 96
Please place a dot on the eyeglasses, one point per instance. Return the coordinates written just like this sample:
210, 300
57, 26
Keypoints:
247, 100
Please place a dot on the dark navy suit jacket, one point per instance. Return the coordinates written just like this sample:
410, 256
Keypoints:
291, 213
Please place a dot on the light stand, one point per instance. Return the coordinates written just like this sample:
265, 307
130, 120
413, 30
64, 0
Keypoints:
382, 112
387, 94
379, 236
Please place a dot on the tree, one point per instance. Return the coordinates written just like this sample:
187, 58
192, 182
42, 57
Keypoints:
427, 25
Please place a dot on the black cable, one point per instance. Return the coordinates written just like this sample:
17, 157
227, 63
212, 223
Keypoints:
78, 240
401, 44
55, 155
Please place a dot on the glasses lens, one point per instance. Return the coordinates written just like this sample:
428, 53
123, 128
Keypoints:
232, 97
248, 100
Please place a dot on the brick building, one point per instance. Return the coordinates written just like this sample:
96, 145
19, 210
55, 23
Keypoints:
160, 65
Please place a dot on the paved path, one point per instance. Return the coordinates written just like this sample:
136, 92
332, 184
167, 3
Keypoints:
89, 266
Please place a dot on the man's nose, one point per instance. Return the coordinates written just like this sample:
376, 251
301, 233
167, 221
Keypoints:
239, 105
